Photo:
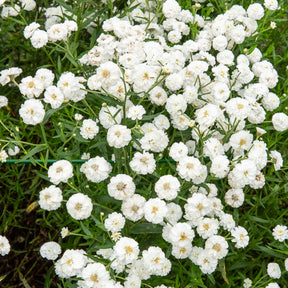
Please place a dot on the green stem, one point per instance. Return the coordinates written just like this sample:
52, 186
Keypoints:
45, 140
89, 107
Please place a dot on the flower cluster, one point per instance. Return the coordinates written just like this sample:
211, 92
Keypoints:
159, 84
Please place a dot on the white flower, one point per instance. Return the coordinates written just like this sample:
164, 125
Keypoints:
207, 264
32, 111
171, 9
31, 87
227, 221
96, 169
174, 212
221, 73
50, 198
70, 264
28, 5
197, 206
258, 154
30, 29
3, 156
191, 169
234, 197
181, 234
60, 171
242, 174
174, 36
143, 163
57, 32
54, 96
78, 117
216, 246
286, 264
39, 38
247, 283
132, 281
207, 115
64, 232
13, 151
136, 112
213, 148
4, 245
71, 87
174, 81
178, 151
220, 166
121, 187
155, 210
89, 129
181, 252
220, 43
79, 206
118, 136
270, 101
271, 4
280, 233
71, 25
95, 275
272, 285
221, 92
240, 236
241, 140
280, 121
255, 11
237, 34
154, 260
273, 270
50, 250
207, 227
108, 74
3, 101
155, 141
158, 96
225, 57
109, 116
8, 75
238, 107
195, 253
277, 160
46, 76
126, 250
10, 11
167, 187
133, 207
161, 122
175, 104
257, 113
190, 94
114, 222
144, 76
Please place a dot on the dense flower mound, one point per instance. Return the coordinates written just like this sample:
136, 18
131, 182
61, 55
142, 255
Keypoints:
192, 103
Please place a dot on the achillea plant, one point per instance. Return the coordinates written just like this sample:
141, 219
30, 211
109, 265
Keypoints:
168, 113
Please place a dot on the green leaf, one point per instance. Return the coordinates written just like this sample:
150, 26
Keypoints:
279, 251
32, 152
2, 277
211, 278
222, 268
146, 228
85, 229
48, 280
49, 113
23, 280
98, 223
66, 6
